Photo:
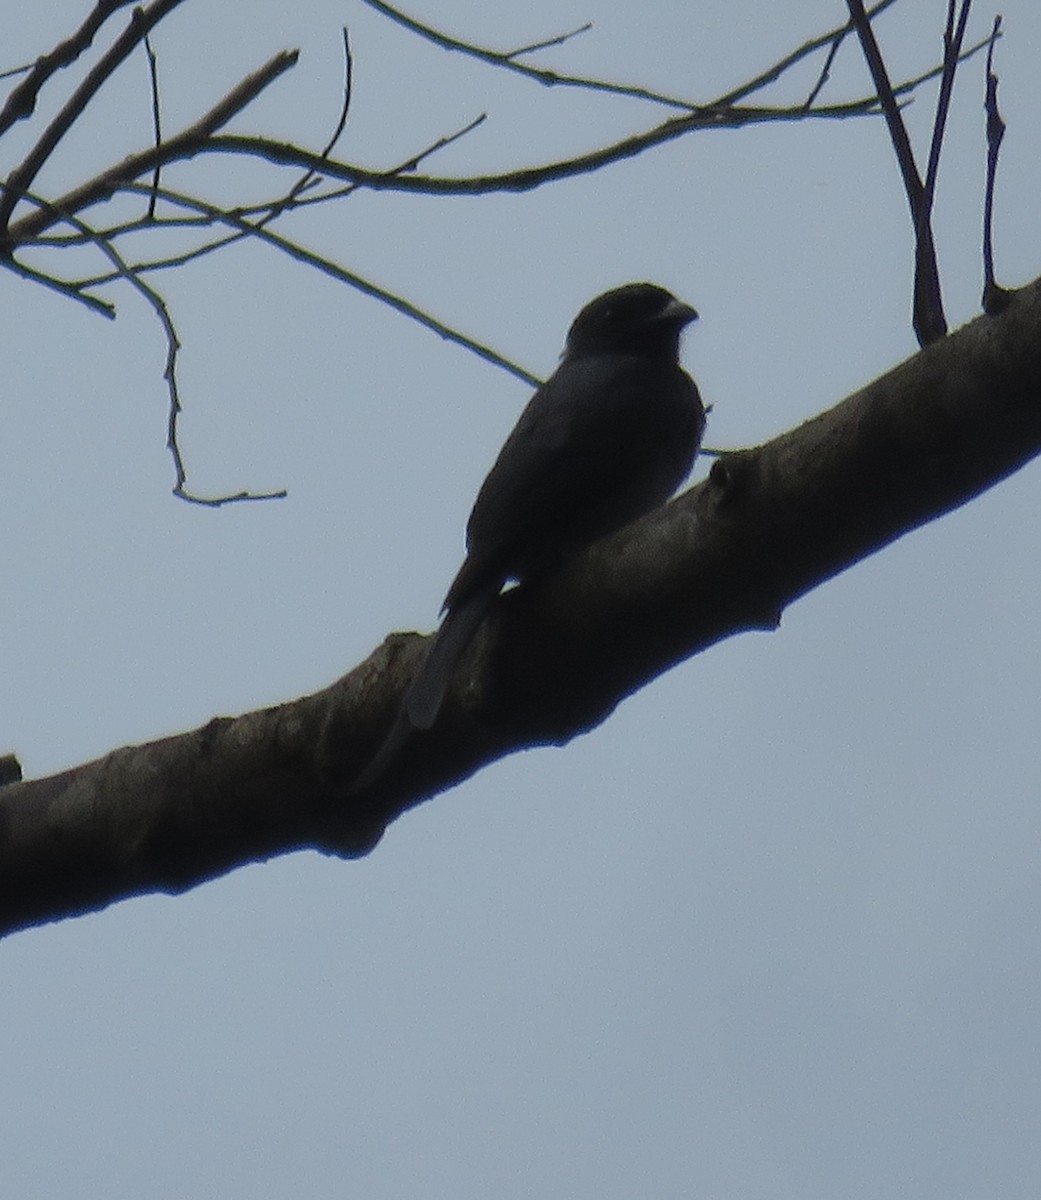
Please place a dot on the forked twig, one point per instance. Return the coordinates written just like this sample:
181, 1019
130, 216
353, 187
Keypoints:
74, 291
173, 346
311, 176
928, 319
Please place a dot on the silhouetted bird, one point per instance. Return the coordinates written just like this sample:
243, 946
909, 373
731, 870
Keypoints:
607, 438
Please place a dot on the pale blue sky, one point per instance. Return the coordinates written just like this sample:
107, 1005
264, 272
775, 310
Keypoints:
772, 931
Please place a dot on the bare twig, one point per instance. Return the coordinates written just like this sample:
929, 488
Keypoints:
59, 241
522, 180
526, 178
311, 177
242, 222
508, 59
245, 228
173, 345
262, 212
825, 72
953, 37
193, 141
773, 73
897, 129
10, 72
22, 101
22, 176
928, 319
157, 123
546, 43
172, 261
410, 164
74, 291
995, 297
348, 82
184, 145
335, 271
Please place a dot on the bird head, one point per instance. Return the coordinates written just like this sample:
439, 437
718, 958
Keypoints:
639, 318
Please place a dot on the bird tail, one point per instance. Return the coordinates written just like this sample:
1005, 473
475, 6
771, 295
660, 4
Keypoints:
427, 691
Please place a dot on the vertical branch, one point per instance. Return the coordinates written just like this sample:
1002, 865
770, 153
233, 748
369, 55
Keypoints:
312, 177
953, 37
928, 319
157, 125
995, 297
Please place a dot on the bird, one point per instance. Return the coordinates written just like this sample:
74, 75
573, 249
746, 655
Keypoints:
607, 438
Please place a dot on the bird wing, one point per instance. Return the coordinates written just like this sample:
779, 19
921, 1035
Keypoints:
603, 441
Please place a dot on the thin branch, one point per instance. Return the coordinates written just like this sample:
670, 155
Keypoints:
263, 212
883, 87
903, 89
824, 75
22, 176
348, 81
508, 60
143, 224
184, 145
522, 180
193, 141
952, 43
21, 103
772, 74
74, 291
546, 43
10, 72
173, 345
173, 261
342, 275
311, 177
928, 319
509, 181
410, 164
995, 297
157, 123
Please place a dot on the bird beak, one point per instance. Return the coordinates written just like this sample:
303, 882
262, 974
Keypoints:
676, 313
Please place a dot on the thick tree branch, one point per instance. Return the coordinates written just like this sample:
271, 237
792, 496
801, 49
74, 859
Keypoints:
767, 525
